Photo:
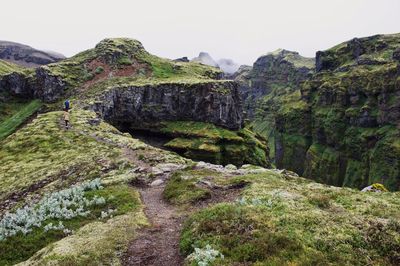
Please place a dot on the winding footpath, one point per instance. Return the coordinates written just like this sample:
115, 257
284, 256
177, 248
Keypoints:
158, 244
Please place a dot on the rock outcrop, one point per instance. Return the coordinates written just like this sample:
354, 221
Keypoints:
279, 72
272, 84
216, 102
345, 130
27, 56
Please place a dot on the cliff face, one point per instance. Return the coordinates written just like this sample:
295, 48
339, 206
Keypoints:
27, 56
270, 86
279, 72
347, 130
216, 102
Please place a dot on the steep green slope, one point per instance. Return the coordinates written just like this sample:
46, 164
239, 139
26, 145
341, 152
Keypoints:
19, 113
347, 133
13, 110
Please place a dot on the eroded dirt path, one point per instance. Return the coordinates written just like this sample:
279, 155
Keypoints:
158, 244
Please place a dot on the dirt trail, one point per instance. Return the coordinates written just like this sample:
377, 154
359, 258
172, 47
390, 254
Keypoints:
158, 244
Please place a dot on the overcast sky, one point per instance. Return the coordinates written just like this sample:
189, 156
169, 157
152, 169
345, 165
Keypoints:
241, 30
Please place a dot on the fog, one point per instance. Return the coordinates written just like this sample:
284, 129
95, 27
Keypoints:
240, 30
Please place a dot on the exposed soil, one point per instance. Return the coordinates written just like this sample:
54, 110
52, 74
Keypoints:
108, 71
158, 244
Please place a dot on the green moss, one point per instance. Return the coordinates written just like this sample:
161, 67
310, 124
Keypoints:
182, 189
198, 129
205, 141
323, 165
292, 151
236, 232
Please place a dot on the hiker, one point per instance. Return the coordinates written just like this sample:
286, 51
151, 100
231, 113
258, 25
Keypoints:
66, 103
66, 117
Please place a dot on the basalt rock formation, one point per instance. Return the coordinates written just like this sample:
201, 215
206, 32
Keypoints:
216, 102
345, 130
27, 56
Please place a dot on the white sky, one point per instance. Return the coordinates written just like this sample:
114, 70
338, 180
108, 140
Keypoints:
241, 30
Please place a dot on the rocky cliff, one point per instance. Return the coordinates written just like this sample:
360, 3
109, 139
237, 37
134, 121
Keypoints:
345, 131
279, 72
216, 102
272, 84
27, 56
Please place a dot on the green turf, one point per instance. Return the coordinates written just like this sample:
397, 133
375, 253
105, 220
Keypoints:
10, 124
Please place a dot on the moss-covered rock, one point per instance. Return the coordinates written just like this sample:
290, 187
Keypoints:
272, 86
207, 142
352, 113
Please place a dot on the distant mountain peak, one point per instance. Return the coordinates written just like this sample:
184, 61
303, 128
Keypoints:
27, 56
225, 64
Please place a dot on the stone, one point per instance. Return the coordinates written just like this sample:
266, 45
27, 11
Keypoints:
230, 167
156, 183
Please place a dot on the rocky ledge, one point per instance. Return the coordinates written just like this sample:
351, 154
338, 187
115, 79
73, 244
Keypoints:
216, 102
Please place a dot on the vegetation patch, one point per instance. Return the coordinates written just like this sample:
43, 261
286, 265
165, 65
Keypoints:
182, 189
17, 115
59, 214
207, 142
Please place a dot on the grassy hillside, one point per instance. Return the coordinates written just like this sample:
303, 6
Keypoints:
277, 221
43, 157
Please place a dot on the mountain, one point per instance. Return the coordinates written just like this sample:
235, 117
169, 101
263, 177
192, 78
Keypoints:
27, 56
228, 66
345, 129
205, 59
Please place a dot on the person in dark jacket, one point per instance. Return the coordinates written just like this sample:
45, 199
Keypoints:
66, 103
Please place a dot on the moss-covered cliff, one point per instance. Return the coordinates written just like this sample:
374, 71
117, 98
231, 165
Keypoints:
347, 130
271, 86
